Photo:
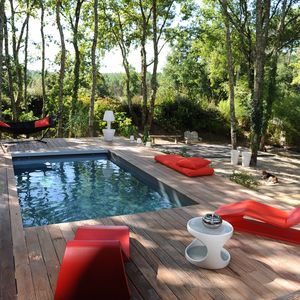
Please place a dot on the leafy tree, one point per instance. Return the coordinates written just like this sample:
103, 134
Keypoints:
1, 53
94, 70
43, 55
62, 67
120, 23
74, 18
231, 76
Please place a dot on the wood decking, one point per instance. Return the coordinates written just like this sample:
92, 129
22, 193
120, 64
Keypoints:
260, 268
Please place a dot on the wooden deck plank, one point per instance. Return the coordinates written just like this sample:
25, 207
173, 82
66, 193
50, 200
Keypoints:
37, 265
58, 241
148, 269
23, 275
242, 284
7, 275
49, 255
260, 268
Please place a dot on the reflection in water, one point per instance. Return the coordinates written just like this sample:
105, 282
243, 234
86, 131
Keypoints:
53, 192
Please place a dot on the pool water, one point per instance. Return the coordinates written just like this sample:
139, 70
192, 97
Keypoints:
61, 189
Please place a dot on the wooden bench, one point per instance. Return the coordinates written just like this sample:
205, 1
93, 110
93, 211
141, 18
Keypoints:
160, 136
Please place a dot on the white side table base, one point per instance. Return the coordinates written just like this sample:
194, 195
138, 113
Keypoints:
206, 251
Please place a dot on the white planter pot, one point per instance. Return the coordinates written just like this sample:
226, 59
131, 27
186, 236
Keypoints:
148, 144
246, 157
108, 134
235, 157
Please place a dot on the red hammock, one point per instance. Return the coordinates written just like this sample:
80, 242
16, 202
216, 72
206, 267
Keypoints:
27, 127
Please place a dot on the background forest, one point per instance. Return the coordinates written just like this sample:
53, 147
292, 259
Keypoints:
233, 68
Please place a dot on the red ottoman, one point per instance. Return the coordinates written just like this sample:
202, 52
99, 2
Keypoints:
119, 233
92, 270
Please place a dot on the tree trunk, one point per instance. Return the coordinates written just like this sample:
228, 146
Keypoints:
144, 89
9, 73
16, 61
94, 70
154, 83
43, 58
262, 24
128, 92
272, 88
1, 52
26, 59
62, 69
231, 80
77, 61
271, 95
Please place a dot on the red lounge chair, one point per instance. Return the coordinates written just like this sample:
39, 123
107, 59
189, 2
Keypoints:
268, 221
176, 163
92, 270
119, 233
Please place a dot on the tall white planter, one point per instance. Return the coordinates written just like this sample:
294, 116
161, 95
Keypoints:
246, 157
235, 157
108, 134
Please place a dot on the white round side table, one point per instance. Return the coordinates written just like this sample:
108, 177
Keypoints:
206, 250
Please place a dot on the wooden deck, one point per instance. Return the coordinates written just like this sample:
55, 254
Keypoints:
260, 268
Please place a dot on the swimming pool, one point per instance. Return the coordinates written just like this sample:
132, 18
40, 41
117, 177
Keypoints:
80, 187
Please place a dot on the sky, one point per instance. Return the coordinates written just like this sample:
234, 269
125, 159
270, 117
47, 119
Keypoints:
110, 63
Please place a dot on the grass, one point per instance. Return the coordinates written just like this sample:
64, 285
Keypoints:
245, 179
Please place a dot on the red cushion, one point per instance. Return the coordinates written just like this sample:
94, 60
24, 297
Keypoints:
42, 123
3, 124
171, 160
193, 163
194, 173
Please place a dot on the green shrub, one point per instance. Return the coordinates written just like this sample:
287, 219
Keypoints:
183, 114
240, 111
244, 179
78, 125
286, 116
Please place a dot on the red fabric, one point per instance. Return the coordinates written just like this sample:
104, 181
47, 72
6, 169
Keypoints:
3, 124
171, 160
92, 270
42, 123
193, 163
119, 233
272, 222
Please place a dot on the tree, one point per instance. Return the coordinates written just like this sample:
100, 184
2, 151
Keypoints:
94, 70
162, 12
62, 68
261, 31
1, 51
118, 14
286, 25
43, 57
9, 71
145, 13
230, 76
26, 54
74, 27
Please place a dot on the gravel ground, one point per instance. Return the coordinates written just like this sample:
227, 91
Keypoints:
284, 165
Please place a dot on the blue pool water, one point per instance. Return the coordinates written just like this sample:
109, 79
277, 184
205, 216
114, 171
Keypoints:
60, 189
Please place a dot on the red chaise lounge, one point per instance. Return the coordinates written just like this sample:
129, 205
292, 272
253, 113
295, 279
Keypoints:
265, 220
93, 265
189, 166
